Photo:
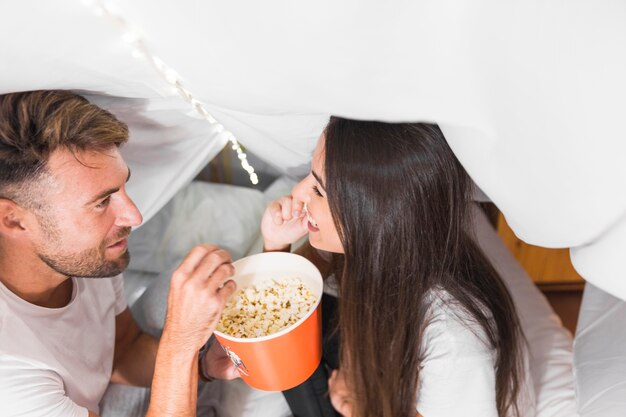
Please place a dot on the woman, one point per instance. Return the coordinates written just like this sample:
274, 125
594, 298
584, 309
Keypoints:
426, 324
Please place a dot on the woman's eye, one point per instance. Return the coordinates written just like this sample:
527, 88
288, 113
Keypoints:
104, 202
317, 191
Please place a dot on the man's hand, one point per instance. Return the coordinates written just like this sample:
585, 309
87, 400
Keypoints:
283, 223
198, 291
218, 365
340, 397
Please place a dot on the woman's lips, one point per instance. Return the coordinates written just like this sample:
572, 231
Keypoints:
312, 224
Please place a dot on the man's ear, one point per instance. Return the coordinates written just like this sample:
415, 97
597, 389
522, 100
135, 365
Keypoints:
12, 218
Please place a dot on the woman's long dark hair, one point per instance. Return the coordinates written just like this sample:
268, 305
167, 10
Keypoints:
401, 203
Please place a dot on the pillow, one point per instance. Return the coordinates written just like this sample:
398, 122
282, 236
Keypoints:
225, 215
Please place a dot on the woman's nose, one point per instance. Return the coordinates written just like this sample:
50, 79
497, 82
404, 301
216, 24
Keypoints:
299, 192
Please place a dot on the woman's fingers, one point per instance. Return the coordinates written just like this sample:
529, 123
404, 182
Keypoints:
279, 227
285, 203
276, 211
285, 209
297, 208
273, 210
339, 396
331, 380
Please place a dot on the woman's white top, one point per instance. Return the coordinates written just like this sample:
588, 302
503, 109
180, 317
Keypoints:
457, 376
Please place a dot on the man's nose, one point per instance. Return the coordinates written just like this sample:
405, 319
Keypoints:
128, 214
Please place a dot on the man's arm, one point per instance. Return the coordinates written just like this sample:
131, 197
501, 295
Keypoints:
135, 353
198, 291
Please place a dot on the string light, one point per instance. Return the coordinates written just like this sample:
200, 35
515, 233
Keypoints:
132, 36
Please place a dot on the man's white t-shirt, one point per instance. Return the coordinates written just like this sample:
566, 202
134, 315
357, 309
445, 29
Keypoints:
57, 362
457, 375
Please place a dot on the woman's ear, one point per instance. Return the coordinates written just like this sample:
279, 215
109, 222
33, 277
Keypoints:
12, 218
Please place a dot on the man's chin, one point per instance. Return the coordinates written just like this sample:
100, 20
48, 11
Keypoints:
87, 265
115, 267
109, 268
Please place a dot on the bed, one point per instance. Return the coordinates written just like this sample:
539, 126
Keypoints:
229, 216
599, 354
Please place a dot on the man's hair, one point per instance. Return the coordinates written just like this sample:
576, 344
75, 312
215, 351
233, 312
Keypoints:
36, 123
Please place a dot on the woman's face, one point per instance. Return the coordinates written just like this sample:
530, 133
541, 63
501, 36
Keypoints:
312, 192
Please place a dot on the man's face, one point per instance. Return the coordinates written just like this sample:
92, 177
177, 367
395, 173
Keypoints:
86, 216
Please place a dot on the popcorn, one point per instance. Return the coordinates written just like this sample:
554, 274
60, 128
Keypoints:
266, 308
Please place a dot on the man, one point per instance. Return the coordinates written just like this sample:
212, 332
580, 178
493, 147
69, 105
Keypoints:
65, 329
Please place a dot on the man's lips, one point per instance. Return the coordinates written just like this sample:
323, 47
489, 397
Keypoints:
122, 237
122, 243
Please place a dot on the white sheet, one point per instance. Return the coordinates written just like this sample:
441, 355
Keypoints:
600, 355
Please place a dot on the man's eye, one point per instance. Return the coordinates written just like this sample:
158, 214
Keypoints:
317, 191
104, 202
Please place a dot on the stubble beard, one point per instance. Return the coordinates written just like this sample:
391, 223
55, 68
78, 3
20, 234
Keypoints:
87, 264
90, 263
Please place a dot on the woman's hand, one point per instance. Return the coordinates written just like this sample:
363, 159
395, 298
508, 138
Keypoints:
340, 397
218, 365
283, 223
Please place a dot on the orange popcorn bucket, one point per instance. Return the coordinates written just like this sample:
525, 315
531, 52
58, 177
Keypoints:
287, 358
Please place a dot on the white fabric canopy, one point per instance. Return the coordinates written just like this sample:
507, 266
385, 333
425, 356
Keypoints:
530, 94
